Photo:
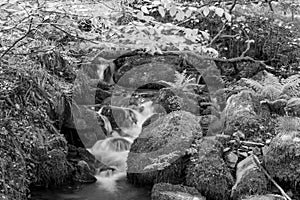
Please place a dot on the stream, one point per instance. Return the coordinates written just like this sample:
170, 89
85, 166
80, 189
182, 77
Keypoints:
95, 191
111, 151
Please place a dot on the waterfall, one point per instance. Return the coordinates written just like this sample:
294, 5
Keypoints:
113, 151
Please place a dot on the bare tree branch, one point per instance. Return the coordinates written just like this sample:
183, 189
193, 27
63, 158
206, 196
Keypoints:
229, 36
224, 60
232, 7
270, 178
270, 4
57, 27
248, 45
18, 40
218, 35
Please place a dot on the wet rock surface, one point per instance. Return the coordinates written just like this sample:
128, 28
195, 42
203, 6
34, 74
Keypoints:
84, 164
83, 173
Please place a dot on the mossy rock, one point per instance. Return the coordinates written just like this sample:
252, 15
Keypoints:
166, 191
54, 168
173, 99
76, 154
250, 179
83, 173
211, 125
282, 156
208, 172
147, 74
240, 114
159, 154
136, 58
265, 197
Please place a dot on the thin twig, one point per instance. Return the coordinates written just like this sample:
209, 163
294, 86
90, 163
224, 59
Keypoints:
184, 21
217, 36
81, 38
270, 5
229, 36
248, 45
62, 13
229, 60
270, 178
3, 177
224, 60
232, 7
18, 40
105, 4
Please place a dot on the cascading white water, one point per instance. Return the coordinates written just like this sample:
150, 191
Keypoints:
113, 151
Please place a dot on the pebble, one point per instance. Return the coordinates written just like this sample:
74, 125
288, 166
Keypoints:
244, 154
231, 159
239, 134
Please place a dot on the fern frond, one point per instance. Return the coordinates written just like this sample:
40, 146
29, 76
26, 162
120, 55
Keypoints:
189, 81
291, 79
270, 79
269, 87
181, 81
291, 86
254, 85
270, 92
169, 84
288, 124
180, 78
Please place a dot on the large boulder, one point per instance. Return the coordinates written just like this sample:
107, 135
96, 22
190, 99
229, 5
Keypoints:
159, 154
250, 179
157, 66
207, 170
80, 125
166, 191
148, 73
282, 156
138, 69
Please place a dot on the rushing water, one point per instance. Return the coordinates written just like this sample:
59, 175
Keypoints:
113, 152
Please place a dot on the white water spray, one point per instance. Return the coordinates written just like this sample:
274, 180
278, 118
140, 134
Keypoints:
113, 151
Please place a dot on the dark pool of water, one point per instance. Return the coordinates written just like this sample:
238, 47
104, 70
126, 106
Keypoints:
124, 191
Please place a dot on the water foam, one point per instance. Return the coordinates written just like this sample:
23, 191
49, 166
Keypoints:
113, 151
